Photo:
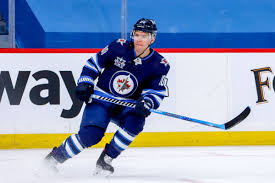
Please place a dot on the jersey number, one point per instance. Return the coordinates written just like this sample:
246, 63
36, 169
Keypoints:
163, 81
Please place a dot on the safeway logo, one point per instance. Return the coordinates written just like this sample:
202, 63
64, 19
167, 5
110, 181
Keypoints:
16, 90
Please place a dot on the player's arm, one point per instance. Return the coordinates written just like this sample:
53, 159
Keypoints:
90, 71
156, 91
152, 95
94, 66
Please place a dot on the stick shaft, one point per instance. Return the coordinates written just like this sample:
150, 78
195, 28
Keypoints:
132, 105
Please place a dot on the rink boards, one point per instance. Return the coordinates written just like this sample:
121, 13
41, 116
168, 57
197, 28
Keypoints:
38, 107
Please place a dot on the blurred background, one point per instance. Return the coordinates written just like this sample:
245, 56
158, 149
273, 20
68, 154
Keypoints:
95, 23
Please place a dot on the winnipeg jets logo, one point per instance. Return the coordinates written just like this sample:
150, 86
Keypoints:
123, 84
137, 61
120, 62
121, 41
164, 61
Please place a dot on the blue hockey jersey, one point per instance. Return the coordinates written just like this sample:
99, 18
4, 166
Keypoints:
121, 74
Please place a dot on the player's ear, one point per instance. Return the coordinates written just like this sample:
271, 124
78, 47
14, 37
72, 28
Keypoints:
153, 39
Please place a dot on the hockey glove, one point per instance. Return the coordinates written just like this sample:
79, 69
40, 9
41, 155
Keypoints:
84, 91
142, 107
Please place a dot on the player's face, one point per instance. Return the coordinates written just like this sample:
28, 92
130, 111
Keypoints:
142, 40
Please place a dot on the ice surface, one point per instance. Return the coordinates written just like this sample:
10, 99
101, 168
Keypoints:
230, 164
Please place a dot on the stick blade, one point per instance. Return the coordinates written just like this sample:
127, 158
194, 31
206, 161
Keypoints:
237, 119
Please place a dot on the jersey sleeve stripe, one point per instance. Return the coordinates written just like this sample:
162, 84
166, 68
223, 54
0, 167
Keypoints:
157, 92
156, 98
150, 100
97, 64
91, 61
86, 79
91, 66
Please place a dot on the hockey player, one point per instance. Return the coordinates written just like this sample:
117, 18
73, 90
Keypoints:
124, 69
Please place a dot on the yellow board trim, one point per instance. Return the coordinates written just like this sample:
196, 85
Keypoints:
147, 139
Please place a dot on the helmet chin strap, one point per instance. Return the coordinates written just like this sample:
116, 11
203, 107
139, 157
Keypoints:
145, 49
132, 61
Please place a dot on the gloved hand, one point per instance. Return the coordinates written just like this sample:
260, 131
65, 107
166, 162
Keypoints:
142, 107
83, 91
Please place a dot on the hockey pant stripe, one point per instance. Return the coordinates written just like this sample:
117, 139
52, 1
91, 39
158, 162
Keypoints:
122, 140
72, 146
128, 136
77, 142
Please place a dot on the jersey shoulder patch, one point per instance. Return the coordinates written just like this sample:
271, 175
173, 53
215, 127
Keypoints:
164, 62
161, 65
114, 46
121, 41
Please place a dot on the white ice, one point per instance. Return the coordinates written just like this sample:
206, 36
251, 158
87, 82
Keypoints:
229, 164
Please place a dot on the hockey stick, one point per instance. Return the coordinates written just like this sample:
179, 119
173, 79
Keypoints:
224, 126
